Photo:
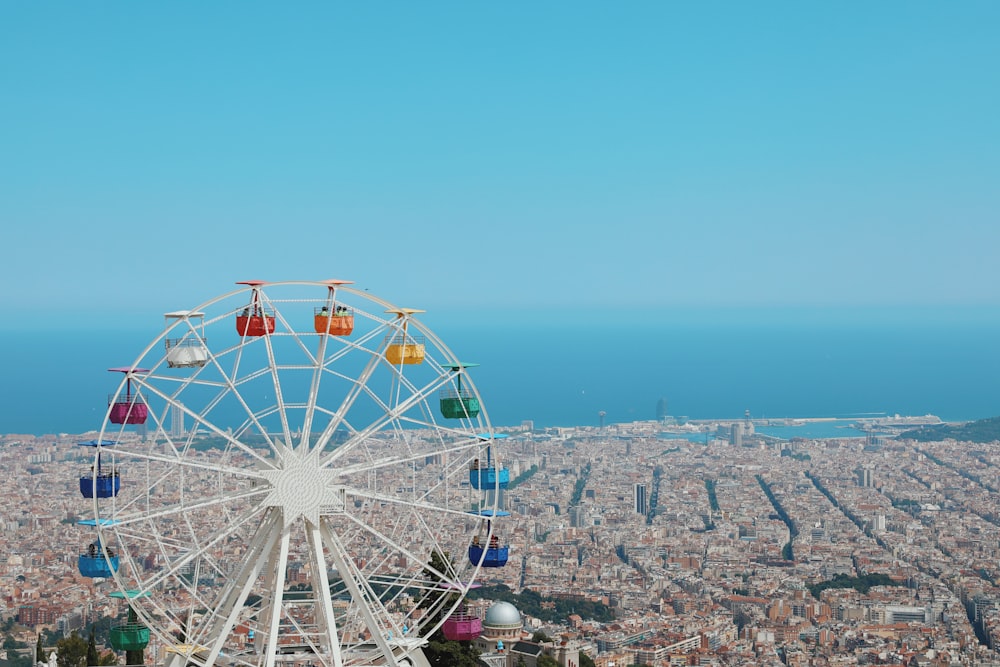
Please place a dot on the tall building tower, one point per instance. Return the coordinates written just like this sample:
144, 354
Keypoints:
661, 409
736, 434
639, 499
177, 421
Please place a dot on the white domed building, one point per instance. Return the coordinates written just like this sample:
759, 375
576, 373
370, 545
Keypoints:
502, 623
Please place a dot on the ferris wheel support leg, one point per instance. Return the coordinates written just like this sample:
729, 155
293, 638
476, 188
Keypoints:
273, 620
321, 586
238, 588
347, 573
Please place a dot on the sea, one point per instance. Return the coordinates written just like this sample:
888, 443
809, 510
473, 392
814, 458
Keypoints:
569, 370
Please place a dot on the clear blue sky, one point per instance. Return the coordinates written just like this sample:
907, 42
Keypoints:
459, 155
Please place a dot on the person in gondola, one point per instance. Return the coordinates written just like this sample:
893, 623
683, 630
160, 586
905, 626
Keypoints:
341, 310
494, 542
475, 540
246, 312
324, 311
91, 549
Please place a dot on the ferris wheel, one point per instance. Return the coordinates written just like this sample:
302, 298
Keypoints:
288, 439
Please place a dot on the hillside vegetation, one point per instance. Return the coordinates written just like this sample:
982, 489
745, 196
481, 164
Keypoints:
982, 430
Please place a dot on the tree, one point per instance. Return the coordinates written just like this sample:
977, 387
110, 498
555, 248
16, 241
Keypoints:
540, 637
439, 562
439, 650
586, 660
39, 651
71, 651
92, 657
444, 653
547, 661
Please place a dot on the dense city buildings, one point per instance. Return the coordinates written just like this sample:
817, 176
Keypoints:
708, 543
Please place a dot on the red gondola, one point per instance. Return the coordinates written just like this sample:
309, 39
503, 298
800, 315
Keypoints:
255, 320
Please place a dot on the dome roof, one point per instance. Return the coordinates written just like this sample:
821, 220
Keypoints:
502, 615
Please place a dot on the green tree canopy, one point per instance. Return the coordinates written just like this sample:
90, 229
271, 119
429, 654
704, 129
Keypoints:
92, 657
71, 651
547, 661
443, 653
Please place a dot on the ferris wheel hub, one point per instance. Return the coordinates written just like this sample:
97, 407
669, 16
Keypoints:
301, 487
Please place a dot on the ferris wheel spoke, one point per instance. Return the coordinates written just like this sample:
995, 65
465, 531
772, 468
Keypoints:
408, 503
401, 381
201, 421
366, 601
235, 392
317, 374
385, 462
391, 416
356, 391
199, 551
384, 539
186, 462
124, 520
282, 408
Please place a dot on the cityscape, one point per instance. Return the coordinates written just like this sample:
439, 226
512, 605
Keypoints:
646, 334
705, 543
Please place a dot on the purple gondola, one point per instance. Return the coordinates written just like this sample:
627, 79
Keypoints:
131, 409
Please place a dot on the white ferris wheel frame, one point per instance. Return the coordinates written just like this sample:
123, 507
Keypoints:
366, 488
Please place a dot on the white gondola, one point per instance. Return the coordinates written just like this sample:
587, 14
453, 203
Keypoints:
188, 350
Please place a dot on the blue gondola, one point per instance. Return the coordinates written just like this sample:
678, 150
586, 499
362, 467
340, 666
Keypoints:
495, 554
93, 563
485, 479
490, 557
484, 476
106, 483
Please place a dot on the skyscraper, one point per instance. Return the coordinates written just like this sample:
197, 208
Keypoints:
736, 434
639, 499
177, 421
